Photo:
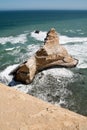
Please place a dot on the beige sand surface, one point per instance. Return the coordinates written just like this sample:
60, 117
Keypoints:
19, 111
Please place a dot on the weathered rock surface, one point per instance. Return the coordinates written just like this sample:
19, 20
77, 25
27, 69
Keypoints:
50, 55
19, 111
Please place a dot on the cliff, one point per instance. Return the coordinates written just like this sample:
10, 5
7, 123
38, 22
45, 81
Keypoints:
19, 111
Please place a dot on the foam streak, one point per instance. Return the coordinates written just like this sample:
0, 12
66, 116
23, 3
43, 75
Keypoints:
22, 38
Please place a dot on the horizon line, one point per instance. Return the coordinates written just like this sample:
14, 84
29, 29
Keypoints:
43, 10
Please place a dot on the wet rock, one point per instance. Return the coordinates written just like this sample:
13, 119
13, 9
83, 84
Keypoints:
37, 31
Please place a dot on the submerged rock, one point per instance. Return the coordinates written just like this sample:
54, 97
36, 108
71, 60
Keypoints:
50, 55
37, 31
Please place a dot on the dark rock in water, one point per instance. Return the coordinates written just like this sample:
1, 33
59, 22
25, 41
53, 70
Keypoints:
37, 31
13, 83
50, 55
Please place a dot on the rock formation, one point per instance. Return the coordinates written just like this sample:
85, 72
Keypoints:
37, 31
20, 111
50, 55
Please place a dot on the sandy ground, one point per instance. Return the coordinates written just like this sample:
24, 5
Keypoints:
19, 111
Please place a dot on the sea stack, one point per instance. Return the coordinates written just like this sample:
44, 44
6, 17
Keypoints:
50, 55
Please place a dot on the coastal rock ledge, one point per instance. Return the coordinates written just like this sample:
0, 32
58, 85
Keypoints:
19, 111
50, 55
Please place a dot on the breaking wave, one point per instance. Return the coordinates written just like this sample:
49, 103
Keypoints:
39, 36
63, 39
10, 49
22, 38
78, 51
66, 39
5, 76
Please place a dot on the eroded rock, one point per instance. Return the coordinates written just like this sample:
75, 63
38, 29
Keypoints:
50, 55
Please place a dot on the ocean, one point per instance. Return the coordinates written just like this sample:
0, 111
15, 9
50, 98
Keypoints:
66, 87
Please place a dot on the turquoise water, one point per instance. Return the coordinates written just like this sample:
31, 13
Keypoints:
18, 41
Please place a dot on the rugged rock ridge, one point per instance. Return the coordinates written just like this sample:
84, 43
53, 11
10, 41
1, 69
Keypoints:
50, 55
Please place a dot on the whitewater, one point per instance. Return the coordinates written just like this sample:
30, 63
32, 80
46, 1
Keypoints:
66, 87
49, 85
76, 46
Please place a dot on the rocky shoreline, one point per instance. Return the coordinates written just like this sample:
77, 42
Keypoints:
19, 111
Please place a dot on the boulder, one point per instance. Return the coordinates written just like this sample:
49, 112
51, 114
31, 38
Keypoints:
50, 55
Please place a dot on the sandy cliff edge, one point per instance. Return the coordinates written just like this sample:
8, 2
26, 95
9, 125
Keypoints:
19, 111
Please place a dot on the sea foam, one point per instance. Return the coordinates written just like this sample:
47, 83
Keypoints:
59, 72
66, 39
10, 49
5, 76
39, 36
22, 38
79, 52
63, 38
32, 49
